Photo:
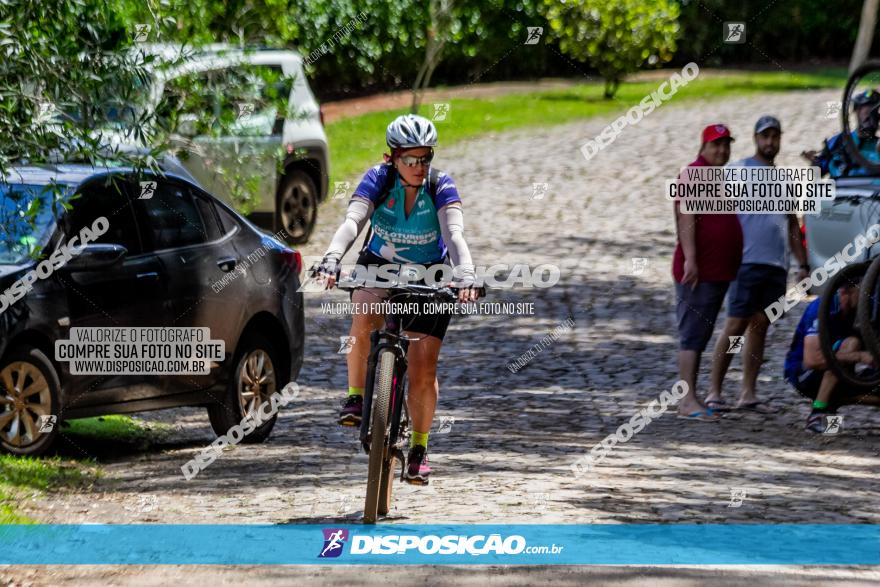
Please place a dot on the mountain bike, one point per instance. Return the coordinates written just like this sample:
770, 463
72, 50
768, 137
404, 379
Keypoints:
852, 275
384, 418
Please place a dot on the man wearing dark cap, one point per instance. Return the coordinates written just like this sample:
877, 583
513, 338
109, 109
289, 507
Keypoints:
761, 280
834, 159
706, 260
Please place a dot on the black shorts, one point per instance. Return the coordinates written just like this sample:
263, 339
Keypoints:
756, 287
422, 322
696, 310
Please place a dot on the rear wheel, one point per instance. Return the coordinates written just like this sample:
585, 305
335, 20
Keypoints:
29, 402
297, 207
851, 274
379, 413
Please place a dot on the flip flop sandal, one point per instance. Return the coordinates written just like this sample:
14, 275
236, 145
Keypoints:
816, 424
700, 416
717, 405
758, 407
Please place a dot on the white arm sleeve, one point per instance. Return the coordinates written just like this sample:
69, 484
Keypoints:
359, 211
452, 229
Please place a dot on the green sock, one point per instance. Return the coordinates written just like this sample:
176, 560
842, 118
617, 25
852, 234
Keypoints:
355, 390
418, 438
817, 405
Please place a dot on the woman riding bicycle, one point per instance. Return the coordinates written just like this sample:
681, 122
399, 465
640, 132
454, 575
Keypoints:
416, 218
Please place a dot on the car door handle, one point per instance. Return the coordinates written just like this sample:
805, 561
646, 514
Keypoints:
148, 275
227, 264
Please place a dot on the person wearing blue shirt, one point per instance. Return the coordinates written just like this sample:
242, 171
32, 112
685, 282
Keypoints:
805, 366
834, 160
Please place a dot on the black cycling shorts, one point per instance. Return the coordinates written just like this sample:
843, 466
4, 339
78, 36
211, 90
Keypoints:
422, 322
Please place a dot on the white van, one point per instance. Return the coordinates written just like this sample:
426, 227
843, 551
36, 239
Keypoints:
269, 164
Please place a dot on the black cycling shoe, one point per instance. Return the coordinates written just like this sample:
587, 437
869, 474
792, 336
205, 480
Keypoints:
350, 415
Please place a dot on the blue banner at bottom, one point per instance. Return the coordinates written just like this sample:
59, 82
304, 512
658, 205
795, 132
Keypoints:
623, 544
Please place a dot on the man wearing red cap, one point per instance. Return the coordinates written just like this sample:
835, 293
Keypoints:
706, 260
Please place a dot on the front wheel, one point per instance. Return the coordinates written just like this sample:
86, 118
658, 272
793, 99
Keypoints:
869, 311
849, 275
29, 402
252, 382
380, 413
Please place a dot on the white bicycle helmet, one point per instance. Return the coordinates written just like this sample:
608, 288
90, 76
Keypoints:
410, 130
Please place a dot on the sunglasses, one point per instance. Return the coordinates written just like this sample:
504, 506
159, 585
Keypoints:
411, 161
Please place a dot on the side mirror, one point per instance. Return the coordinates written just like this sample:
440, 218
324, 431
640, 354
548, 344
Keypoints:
93, 257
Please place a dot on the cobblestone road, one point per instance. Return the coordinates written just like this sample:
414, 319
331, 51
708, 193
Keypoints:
513, 436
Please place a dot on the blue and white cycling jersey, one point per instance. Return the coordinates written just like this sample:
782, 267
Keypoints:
401, 239
835, 161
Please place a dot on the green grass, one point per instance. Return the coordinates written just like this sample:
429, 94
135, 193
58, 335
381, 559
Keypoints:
22, 476
117, 428
358, 142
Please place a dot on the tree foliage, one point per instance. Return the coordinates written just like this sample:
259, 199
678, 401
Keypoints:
616, 38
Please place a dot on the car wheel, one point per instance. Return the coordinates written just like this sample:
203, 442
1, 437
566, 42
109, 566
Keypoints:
297, 207
253, 380
29, 389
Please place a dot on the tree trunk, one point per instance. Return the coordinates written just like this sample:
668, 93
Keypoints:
865, 38
611, 85
441, 17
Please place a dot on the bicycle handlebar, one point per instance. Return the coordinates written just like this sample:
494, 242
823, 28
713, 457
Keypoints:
450, 293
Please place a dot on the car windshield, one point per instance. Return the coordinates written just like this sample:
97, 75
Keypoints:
26, 217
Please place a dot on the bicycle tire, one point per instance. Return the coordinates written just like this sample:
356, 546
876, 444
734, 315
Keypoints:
844, 375
378, 433
849, 144
869, 299
390, 466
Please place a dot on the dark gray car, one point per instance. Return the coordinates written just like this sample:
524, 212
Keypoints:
172, 256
